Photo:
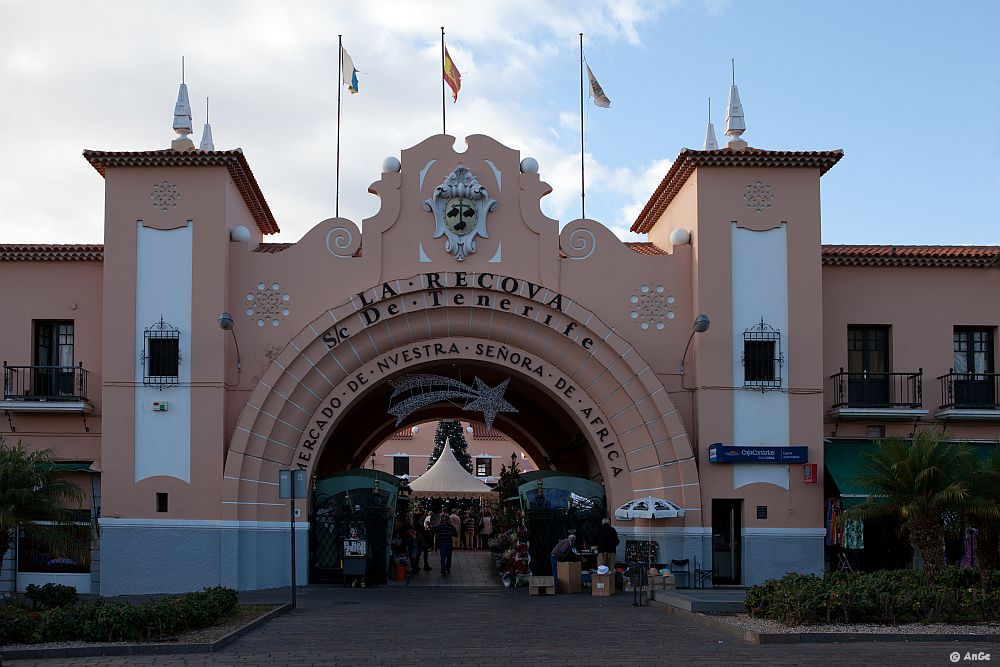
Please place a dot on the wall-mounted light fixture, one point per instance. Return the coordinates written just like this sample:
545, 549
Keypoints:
226, 323
701, 324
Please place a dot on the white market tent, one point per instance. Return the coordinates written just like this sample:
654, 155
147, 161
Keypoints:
448, 479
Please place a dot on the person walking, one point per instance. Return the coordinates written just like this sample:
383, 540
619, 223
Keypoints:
435, 521
417, 542
469, 527
456, 522
486, 530
607, 543
446, 534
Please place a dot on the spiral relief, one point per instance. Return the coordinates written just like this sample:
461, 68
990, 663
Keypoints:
582, 244
340, 242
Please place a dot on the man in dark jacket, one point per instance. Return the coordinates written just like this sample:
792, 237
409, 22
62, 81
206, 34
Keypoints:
446, 534
607, 543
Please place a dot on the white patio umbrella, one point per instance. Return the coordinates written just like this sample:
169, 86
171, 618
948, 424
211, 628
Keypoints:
649, 508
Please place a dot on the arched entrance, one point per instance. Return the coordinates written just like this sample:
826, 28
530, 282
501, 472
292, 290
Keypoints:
322, 401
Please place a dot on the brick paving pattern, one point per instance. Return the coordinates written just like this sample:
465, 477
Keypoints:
412, 626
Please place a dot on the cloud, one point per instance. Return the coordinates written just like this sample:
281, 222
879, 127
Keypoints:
105, 77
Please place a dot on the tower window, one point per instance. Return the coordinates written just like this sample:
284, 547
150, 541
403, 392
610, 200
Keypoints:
161, 356
762, 357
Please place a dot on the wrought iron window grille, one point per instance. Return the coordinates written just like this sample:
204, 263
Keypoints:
161, 355
762, 357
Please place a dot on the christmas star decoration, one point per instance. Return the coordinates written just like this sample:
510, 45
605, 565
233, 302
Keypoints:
490, 401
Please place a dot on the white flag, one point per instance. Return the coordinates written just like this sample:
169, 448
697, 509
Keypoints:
348, 71
596, 92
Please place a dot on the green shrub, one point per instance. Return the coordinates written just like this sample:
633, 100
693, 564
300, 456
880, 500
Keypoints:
62, 624
887, 597
51, 596
110, 621
18, 625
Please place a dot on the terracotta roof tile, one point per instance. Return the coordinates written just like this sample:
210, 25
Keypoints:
480, 432
233, 160
911, 255
51, 253
689, 160
272, 248
403, 434
645, 248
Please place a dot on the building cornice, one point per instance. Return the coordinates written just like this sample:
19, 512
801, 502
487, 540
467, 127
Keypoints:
689, 160
234, 161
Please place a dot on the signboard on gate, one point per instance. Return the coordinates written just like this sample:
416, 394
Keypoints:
722, 453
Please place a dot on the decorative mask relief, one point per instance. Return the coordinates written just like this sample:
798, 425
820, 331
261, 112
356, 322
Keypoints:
460, 205
650, 305
164, 195
268, 304
758, 196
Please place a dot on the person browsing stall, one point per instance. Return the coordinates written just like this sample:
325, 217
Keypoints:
607, 543
562, 552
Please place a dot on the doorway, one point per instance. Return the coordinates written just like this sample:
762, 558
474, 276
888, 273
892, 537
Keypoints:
726, 548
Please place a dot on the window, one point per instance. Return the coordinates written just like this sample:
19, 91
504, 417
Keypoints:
68, 550
400, 465
53, 343
973, 350
868, 349
762, 358
484, 467
52, 372
868, 365
972, 381
161, 357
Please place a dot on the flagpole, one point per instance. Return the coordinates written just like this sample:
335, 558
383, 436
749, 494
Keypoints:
583, 182
444, 129
340, 84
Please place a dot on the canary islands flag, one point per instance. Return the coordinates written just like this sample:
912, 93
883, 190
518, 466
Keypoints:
348, 71
596, 92
451, 75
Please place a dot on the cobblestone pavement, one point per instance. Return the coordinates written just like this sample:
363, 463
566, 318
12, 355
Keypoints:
406, 627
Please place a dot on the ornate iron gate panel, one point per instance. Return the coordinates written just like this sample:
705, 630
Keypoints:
332, 519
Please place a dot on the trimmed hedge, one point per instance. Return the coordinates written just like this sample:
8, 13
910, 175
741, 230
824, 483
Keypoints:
110, 621
889, 597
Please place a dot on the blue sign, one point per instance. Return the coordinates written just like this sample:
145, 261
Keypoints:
720, 453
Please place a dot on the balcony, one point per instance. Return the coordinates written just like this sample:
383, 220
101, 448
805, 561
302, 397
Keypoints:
970, 396
45, 389
868, 395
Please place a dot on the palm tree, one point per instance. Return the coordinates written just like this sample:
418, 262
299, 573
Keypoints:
984, 483
917, 481
34, 498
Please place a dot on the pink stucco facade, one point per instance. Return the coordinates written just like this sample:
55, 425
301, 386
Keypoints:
590, 333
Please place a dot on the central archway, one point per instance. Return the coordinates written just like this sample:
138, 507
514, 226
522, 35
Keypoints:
345, 357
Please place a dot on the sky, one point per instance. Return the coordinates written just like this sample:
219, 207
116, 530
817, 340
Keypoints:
909, 90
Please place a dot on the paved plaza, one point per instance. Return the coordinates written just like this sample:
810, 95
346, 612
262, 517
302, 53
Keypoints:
407, 626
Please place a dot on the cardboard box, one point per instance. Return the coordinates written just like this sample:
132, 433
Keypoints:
602, 584
568, 578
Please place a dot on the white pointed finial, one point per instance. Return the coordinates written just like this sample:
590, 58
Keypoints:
206, 133
710, 143
182, 117
735, 123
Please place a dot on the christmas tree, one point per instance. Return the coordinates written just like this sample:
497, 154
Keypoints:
453, 432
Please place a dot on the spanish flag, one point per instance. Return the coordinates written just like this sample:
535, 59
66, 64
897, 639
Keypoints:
451, 75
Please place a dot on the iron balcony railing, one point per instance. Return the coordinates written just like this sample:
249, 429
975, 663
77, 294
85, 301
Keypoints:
44, 383
975, 391
877, 390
